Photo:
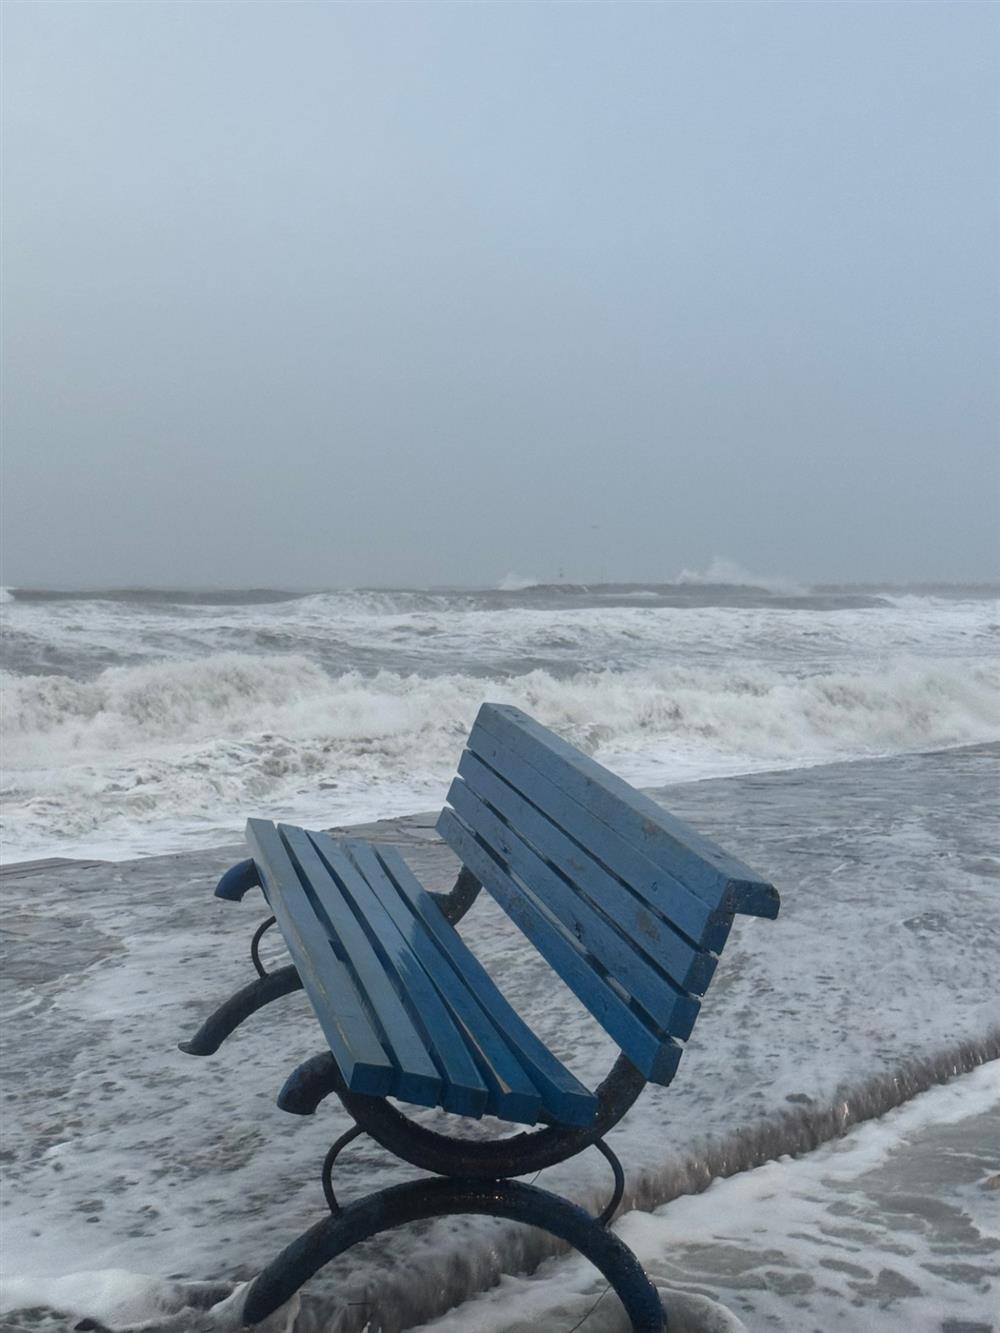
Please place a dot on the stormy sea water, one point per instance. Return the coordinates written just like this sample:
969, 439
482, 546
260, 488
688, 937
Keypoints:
140, 721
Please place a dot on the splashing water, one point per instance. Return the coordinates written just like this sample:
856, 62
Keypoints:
140, 722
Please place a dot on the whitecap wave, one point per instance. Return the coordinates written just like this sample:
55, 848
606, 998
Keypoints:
140, 757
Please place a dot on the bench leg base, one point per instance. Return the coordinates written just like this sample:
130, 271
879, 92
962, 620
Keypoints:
412, 1202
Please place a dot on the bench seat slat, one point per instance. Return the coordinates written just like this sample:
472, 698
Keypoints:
689, 967
691, 914
464, 1091
418, 1079
512, 1094
346, 1024
598, 941
651, 1052
565, 1096
722, 881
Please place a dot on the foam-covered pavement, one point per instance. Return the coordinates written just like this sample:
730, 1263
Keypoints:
877, 981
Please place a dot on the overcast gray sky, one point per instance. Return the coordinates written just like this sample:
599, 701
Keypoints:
325, 294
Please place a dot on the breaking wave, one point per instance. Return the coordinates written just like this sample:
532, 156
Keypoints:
723, 573
119, 762
517, 582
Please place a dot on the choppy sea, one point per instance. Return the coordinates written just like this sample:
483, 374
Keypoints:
154, 720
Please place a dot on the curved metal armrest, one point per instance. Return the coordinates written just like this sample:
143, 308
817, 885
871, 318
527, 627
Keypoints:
313, 1081
237, 881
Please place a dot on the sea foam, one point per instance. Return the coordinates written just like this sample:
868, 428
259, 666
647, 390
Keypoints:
141, 721
124, 761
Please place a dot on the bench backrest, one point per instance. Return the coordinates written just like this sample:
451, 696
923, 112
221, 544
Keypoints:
629, 905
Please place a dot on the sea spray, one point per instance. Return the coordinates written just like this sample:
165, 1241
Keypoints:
723, 573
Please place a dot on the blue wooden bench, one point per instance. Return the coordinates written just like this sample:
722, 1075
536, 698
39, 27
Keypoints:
629, 906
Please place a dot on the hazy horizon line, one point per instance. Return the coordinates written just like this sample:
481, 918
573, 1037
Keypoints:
760, 582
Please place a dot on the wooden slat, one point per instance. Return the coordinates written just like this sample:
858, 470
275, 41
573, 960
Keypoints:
348, 1028
691, 914
652, 1053
602, 946
463, 1090
512, 1094
566, 1098
721, 881
417, 1078
688, 966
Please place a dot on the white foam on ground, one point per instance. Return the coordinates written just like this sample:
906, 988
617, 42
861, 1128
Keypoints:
813, 1243
127, 1154
117, 1299
867, 1232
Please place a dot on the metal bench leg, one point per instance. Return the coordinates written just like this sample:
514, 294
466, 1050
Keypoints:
329, 1161
606, 1217
258, 935
218, 1026
400, 1204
